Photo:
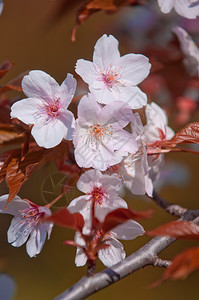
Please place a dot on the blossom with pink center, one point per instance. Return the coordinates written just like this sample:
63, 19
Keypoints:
186, 8
46, 108
189, 49
112, 77
115, 252
26, 224
100, 188
99, 133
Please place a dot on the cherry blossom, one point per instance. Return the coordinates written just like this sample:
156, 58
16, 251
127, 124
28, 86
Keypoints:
134, 169
189, 49
99, 134
115, 252
26, 224
100, 188
112, 77
138, 171
186, 8
46, 108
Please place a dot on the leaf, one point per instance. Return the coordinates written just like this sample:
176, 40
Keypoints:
14, 84
92, 6
7, 133
182, 265
181, 230
121, 215
64, 218
189, 134
5, 67
17, 172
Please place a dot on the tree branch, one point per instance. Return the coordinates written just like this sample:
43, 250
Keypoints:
172, 209
145, 256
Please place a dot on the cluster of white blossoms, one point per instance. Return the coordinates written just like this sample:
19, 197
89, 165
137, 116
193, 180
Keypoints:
116, 157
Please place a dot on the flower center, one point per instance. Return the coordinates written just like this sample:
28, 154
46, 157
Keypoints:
31, 215
98, 196
111, 76
97, 133
49, 109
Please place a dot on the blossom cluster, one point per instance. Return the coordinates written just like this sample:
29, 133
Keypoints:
109, 139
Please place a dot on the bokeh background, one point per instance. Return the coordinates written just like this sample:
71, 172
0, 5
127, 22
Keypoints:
29, 38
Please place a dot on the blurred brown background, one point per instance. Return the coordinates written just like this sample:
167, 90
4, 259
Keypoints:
28, 38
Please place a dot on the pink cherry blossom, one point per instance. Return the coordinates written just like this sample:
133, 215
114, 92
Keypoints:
189, 49
115, 252
46, 108
26, 226
100, 188
134, 169
112, 77
99, 134
186, 8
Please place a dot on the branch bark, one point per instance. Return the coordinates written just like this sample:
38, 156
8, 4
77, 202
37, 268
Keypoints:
145, 256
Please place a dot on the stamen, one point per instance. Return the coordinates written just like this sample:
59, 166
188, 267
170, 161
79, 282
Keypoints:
49, 110
98, 196
31, 215
96, 134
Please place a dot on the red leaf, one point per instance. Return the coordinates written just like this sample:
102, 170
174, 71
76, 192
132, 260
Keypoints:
64, 218
14, 84
189, 134
7, 133
121, 215
5, 67
182, 265
181, 230
92, 6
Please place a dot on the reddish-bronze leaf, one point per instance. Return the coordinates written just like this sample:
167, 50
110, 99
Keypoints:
7, 133
5, 67
180, 230
182, 265
121, 215
14, 178
14, 84
189, 134
92, 6
64, 218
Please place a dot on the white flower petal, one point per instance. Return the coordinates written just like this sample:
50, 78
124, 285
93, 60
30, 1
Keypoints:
117, 114
67, 90
106, 52
88, 180
88, 110
14, 207
128, 230
166, 6
51, 134
26, 110
18, 231
86, 70
113, 254
80, 258
136, 68
39, 84
78, 204
36, 241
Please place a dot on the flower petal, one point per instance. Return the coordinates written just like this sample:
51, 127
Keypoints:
78, 204
14, 207
26, 110
18, 232
106, 52
88, 180
88, 110
136, 68
39, 84
113, 254
36, 241
117, 114
86, 70
67, 90
128, 230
